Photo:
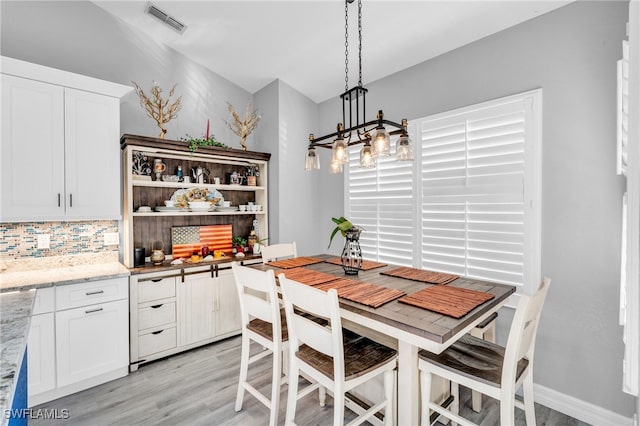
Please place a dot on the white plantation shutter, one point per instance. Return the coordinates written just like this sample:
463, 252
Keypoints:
470, 202
382, 200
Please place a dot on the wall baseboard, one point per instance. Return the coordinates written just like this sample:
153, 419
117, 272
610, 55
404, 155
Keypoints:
578, 409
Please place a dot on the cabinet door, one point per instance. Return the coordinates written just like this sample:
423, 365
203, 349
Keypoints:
196, 306
32, 150
227, 304
91, 340
42, 354
92, 155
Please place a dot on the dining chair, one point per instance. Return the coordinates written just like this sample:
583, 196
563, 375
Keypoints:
278, 251
486, 330
262, 322
334, 358
491, 369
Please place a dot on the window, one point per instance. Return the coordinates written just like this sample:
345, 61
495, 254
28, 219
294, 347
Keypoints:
469, 204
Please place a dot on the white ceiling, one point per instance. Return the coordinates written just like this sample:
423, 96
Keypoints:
251, 43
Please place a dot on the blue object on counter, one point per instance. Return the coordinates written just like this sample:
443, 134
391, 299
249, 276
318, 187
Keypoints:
19, 415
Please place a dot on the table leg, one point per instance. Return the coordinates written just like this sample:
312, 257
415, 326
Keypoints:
408, 385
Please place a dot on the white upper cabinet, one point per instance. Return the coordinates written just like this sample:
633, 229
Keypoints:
60, 145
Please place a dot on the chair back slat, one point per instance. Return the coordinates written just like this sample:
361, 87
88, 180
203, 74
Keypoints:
313, 334
257, 293
300, 299
278, 251
521, 341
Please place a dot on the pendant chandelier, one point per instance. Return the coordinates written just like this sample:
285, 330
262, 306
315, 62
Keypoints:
373, 135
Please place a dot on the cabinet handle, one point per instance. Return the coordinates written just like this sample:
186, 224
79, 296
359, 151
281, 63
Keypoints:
157, 332
93, 310
156, 306
70, 200
58, 199
91, 293
156, 280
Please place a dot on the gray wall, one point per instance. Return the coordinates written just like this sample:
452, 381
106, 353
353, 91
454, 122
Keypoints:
571, 54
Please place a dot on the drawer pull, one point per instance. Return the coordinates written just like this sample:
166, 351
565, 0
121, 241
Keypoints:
156, 306
156, 280
157, 332
93, 310
91, 293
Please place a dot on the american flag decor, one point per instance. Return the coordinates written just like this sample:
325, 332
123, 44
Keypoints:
187, 239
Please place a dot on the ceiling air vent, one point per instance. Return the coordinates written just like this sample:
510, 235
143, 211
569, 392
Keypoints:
165, 18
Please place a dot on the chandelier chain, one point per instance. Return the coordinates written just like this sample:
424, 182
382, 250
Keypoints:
346, 45
360, 43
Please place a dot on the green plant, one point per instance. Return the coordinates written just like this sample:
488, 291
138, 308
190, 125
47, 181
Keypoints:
195, 143
239, 241
343, 224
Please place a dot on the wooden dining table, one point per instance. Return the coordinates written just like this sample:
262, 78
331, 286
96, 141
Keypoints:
413, 327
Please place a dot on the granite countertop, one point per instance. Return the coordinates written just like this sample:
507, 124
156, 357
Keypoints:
25, 274
15, 319
18, 281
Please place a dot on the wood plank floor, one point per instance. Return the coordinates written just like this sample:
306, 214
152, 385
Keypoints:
198, 387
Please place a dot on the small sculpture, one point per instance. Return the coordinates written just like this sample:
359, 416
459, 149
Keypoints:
161, 110
243, 127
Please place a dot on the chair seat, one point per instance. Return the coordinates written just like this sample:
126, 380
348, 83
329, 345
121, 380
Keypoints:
265, 329
361, 355
474, 358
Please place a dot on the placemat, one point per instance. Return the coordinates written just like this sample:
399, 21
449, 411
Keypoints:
455, 302
295, 262
366, 264
309, 276
357, 291
421, 275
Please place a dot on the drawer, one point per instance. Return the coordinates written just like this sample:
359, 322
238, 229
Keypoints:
156, 341
156, 315
44, 301
90, 293
156, 288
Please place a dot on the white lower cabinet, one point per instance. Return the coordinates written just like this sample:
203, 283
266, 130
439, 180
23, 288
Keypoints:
91, 340
171, 312
78, 338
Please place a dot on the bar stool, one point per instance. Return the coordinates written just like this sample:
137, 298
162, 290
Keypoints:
262, 322
489, 368
330, 359
278, 251
486, 330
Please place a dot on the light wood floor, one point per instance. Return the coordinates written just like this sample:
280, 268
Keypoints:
199, 388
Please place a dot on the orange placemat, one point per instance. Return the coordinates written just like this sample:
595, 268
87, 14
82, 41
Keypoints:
295, 262
309, 276
357, 291
421, 275
452, 301
366, 264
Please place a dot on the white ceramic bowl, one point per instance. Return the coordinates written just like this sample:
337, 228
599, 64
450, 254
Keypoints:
144, 209
243, 207
169, 203
199, 205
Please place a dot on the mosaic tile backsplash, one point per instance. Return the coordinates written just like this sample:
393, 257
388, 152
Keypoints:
20, 240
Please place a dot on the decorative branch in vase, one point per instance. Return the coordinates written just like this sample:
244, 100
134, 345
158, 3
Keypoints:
161, 110
243, 127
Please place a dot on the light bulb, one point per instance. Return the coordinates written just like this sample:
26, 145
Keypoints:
381, 142
312, 160
404, 149
339, 151
335, 167
366, 157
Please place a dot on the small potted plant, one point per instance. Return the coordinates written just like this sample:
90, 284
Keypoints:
252, 174
351, 257
257, 246
239, 244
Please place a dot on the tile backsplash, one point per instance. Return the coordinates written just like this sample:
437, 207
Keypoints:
20, 240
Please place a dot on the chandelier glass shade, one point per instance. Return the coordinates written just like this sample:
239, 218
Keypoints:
373, 135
